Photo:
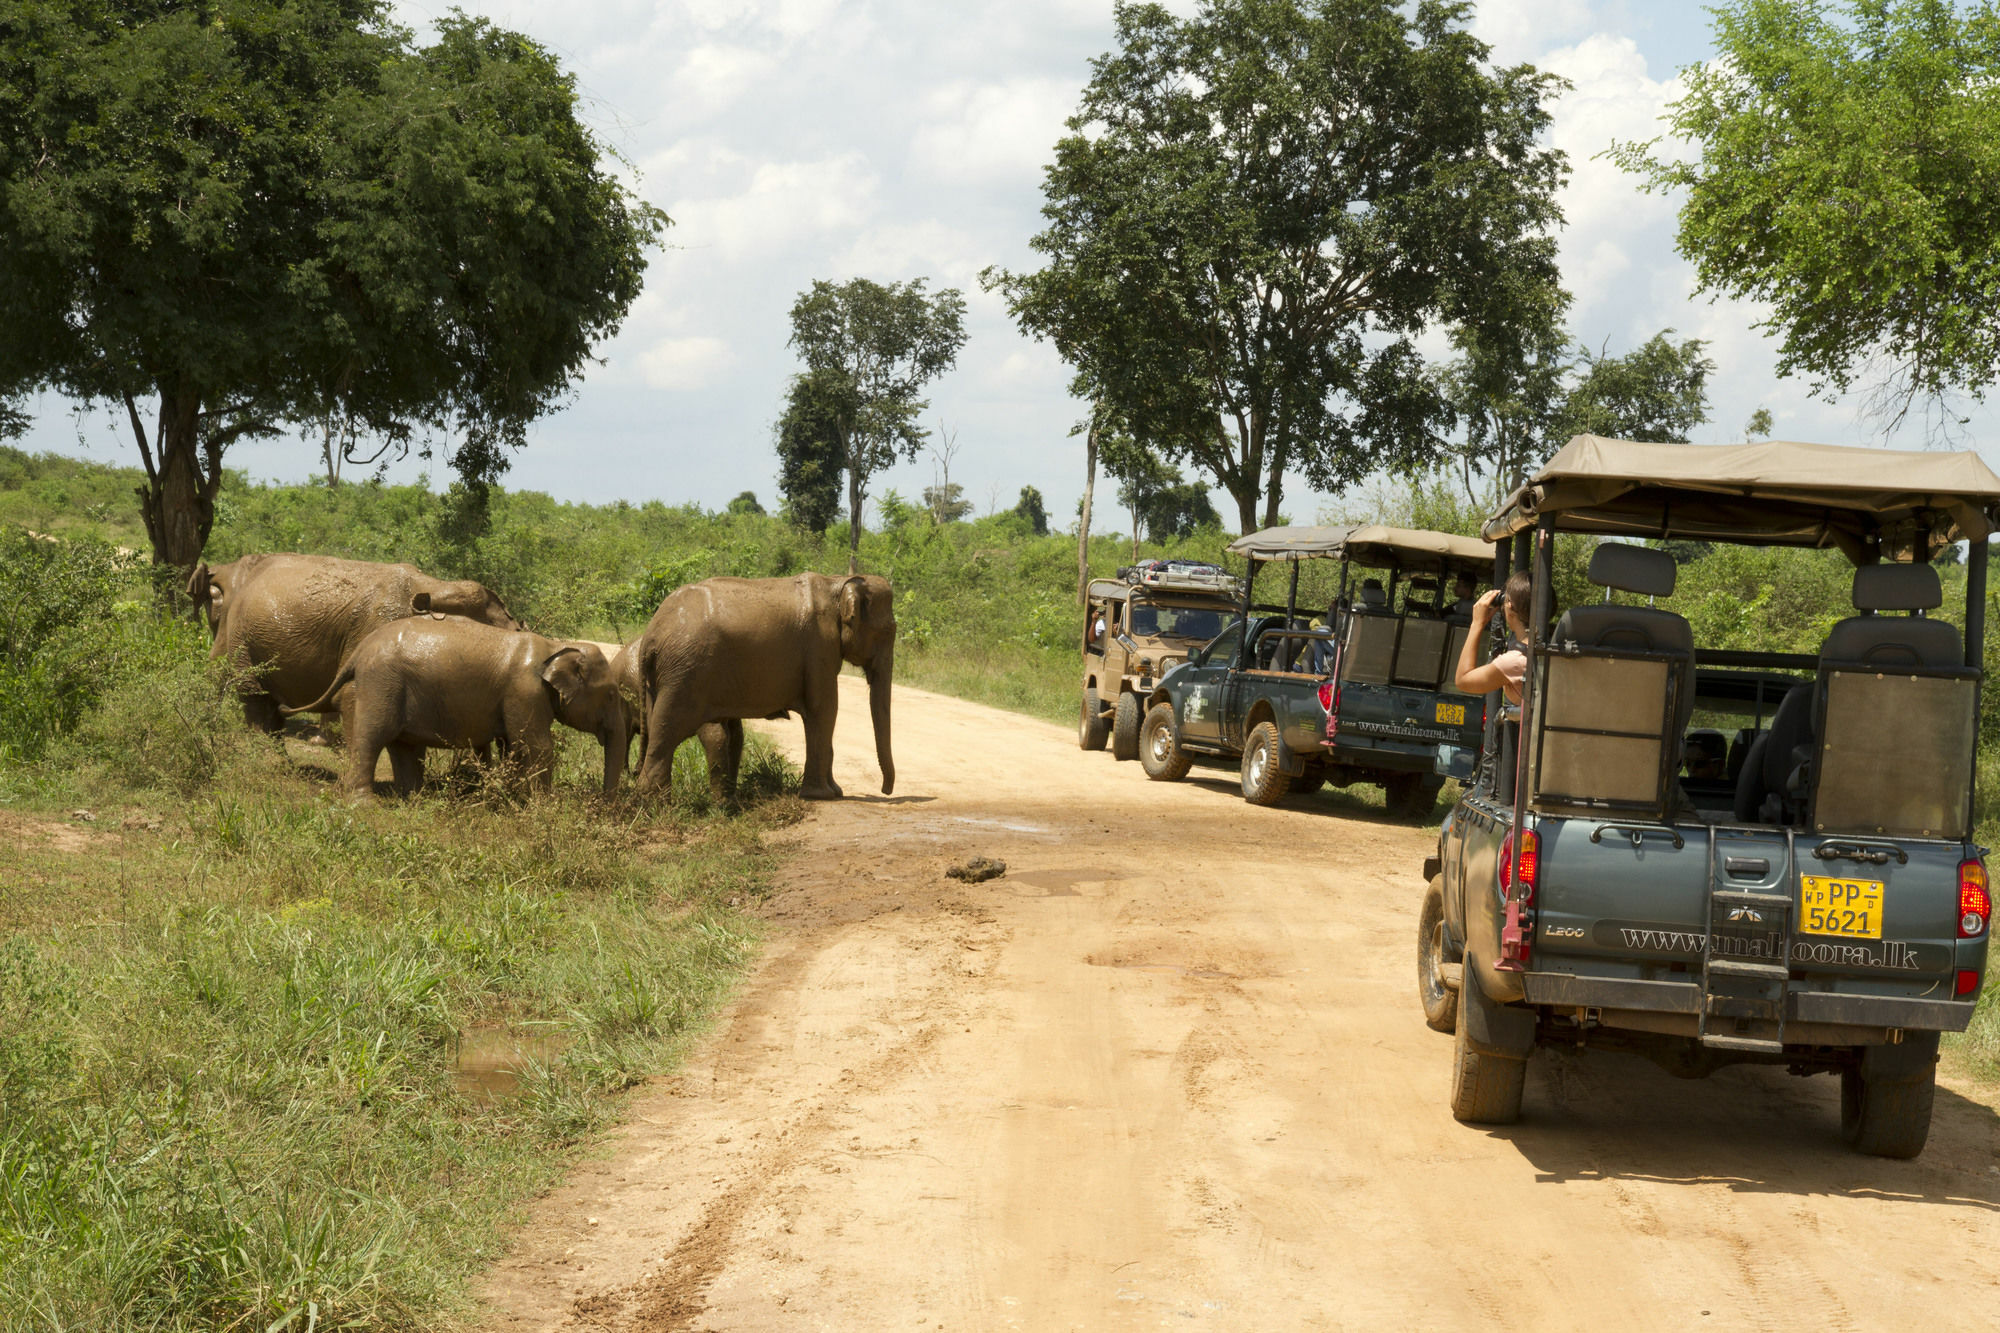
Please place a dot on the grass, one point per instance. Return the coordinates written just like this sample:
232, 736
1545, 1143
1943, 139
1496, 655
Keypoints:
228, 1021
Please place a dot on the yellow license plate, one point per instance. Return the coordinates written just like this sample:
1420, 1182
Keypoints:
1453, 714
1848, 908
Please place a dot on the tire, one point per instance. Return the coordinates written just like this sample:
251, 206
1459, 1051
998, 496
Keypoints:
1433, 952
1091, 729
1886, 1117
1265, 781
1412, 795
1160, 752
1485, 1089
1125, 720
1310, 781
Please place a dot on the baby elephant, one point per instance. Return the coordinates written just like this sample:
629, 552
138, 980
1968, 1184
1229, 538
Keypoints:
447, 681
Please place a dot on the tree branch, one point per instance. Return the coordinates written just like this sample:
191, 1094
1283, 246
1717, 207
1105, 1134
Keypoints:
139, 432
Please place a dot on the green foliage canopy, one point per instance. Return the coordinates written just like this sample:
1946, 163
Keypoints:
1845, 169
256, 213
1257, 210
869, 350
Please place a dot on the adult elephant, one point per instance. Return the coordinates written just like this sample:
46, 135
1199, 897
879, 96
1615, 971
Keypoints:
290, 620
443, 681
726, 649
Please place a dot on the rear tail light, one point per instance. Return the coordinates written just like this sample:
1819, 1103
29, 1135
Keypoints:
1529, 860
1326, 695
1968, 982
1975, 904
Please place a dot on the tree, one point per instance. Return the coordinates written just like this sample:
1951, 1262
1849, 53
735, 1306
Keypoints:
875, 347
1844, 179
1178, 511
1758, 427
1030, 509
254, 214
1507, 391
1258, 209
746, 503
946, 503
1658, 391
1141, 474
811, 457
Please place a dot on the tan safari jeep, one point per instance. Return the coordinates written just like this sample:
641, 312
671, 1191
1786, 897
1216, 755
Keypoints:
1134, 628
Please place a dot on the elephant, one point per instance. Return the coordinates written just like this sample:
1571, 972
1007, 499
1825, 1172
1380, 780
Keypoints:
727, 649
439, 680
293, 619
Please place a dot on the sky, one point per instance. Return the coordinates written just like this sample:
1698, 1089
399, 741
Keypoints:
794, 140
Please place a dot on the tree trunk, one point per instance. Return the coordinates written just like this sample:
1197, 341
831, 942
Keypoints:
1246, 509
178, 499
1083, 525
855, 495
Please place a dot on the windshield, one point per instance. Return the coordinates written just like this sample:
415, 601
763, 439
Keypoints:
1175, 622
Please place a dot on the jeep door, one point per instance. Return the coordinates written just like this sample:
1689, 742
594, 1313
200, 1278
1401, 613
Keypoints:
1203, 682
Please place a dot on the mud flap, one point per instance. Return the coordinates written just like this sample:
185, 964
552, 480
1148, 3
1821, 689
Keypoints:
1432, 865
1289, 762
1910, 1058
1494, 1029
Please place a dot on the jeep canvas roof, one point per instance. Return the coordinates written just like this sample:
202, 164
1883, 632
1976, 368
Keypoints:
1374, 545
1866, 502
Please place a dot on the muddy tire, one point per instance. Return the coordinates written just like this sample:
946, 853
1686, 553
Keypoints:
1265, 781
1160, 752
1091, 728
1485, 1088
1886, 1117
1125, 720
1433, 952
1412, 795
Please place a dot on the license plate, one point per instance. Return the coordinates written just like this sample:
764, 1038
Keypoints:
1451, 714
1848, 908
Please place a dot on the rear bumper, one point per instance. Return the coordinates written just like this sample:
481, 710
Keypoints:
1565, 990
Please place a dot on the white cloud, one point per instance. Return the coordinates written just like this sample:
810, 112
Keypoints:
715, 75
684, 363
992, 131
779, 205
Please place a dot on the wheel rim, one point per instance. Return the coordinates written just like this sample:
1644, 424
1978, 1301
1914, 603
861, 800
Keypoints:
1433, 978
1257, 767
1162, 745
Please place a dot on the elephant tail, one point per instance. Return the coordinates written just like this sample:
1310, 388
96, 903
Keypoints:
324, 703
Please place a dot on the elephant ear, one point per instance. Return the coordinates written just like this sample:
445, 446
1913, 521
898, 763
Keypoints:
562, 670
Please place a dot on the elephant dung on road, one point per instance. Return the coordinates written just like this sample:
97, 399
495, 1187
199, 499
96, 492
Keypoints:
444, 681
727, 649
289, 621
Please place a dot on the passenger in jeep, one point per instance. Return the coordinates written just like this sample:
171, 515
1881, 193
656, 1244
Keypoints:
1506, 671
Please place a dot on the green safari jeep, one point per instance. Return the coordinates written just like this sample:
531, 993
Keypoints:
1709, 857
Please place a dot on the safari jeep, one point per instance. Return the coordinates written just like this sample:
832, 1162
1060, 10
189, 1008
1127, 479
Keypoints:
1372, 698
1801, 888
1135, 628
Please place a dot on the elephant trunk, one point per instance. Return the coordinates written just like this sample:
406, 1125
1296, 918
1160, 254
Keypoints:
617, 743
881, 671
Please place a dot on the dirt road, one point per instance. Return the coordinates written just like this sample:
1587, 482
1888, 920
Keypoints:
1170, 1072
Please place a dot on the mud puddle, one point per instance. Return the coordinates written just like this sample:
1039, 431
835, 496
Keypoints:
492, 1062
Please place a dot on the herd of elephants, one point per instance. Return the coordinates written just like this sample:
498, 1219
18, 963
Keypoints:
412, 663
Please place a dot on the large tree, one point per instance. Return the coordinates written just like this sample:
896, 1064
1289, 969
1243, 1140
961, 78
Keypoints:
871, 348
1258, 209
1657, 391
232, 217
811, 457
1843, 176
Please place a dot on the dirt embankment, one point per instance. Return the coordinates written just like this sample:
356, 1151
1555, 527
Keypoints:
1170, 1072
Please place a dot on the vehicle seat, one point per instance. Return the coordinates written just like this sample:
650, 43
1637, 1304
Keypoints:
1370, 654
1771, 789
1649, 573
1875, 640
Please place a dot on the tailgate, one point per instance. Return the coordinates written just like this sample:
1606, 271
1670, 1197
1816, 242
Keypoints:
1640, 907
1369, 712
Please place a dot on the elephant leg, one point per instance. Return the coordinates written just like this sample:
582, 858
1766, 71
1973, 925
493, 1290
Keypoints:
818, 714
722, 742
406, 761
665, 730
364, 747
261, 712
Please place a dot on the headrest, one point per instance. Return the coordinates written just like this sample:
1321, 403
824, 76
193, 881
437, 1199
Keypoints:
1897, 588
1639, 569
1373, 597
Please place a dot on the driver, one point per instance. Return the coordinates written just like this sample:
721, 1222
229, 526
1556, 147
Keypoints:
1507, 670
